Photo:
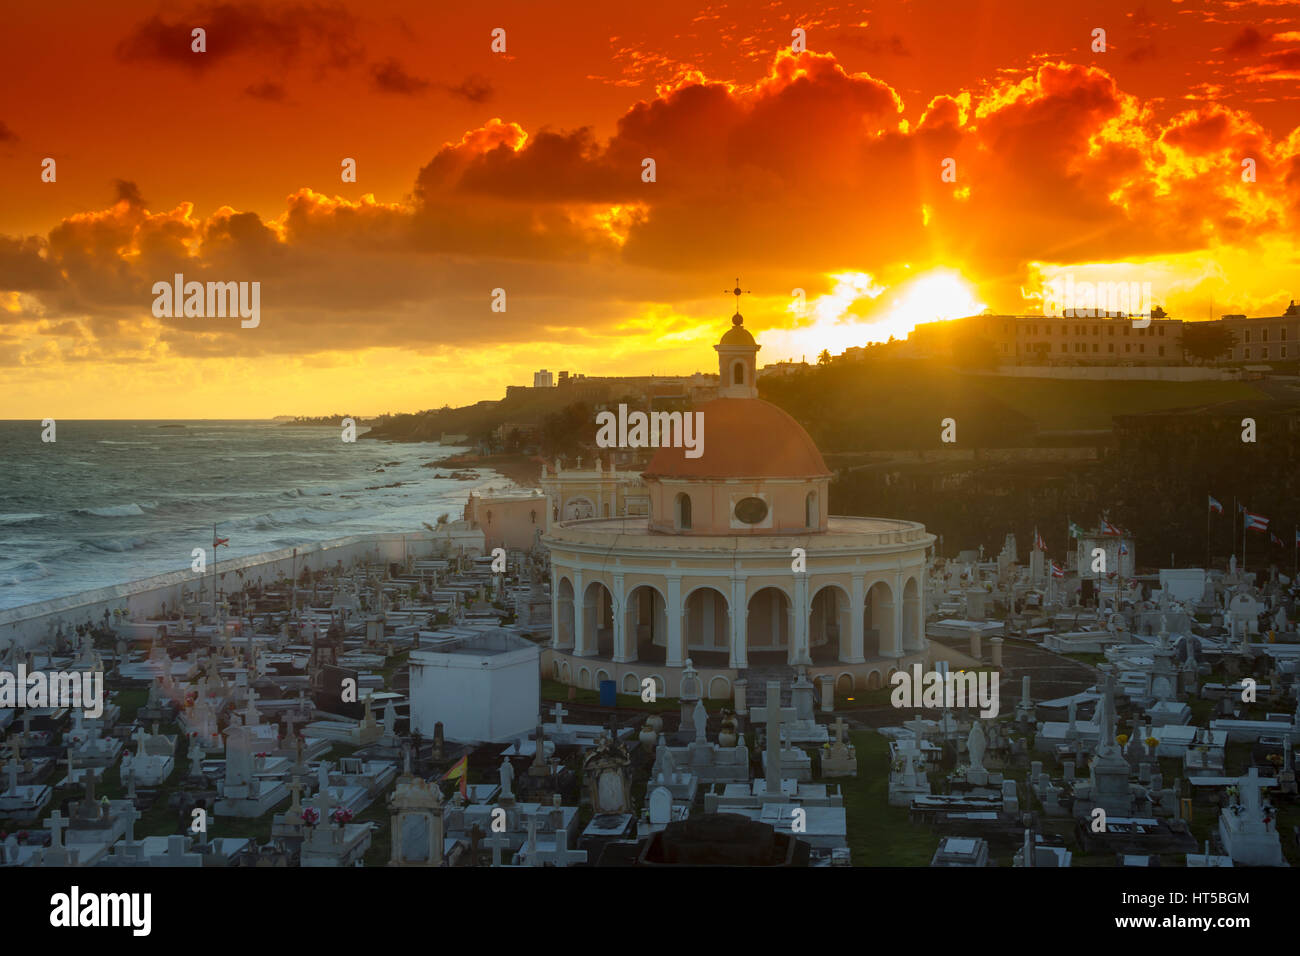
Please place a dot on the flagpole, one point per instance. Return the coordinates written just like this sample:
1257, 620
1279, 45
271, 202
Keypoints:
214, 577
1234, 524
1208, 512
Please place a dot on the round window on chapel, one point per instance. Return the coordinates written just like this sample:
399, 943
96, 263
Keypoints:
751, 510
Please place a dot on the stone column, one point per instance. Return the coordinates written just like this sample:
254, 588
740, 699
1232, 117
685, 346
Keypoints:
582, 641
556, 630
673, 613
914, 610
976, 651
857, 609
995, 648
618, 618
891, 612
828, 693
738, 617
799, 653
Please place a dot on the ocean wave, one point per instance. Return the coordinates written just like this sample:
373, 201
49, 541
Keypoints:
118, 545
20, 518
105, 441
112, 511
26, 571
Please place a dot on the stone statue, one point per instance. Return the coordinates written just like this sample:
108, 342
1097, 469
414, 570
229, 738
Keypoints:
976, 744
507, 778
699, 717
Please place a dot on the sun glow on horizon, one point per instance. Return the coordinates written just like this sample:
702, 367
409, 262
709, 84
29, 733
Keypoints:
860, 310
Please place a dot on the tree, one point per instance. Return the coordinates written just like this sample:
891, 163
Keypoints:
824, 358
1207, 340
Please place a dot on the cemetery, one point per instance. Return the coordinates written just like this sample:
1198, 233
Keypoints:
401, 715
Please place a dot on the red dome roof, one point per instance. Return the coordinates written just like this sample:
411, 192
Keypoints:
744, 438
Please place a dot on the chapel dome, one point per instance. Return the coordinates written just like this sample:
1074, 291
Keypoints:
744, 438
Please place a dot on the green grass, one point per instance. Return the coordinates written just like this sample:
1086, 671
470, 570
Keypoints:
553, 690
1061, 404
878, 834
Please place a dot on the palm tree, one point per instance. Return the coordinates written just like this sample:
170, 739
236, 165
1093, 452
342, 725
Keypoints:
824, 358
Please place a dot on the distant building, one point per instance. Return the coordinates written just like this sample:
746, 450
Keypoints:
1052, 340
543, 379
597, 492
1264, 338
782, 369
510, 521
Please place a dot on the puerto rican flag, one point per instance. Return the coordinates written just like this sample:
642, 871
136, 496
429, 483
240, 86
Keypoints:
1276, 540
1057, 570
1255, 522
1109, 529
1215, 505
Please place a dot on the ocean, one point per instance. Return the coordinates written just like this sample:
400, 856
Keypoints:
114, 501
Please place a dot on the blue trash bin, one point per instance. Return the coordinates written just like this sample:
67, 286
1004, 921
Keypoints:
608, 696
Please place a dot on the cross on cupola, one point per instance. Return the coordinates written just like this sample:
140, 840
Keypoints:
737, 319
737, 356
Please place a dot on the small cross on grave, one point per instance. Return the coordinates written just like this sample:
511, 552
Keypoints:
773, 715
559, 713
58, 823
840, 730
562, 855
497, 842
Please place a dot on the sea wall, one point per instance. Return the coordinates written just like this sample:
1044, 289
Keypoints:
144, 598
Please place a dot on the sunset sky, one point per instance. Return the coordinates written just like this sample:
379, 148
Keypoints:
477, 170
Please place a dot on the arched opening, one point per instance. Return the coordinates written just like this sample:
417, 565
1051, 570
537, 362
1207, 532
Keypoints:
738, 373
878, 621
873, 680
829, 625
683, 512
631, 684
812, 518
719, 688
707, 627
646, 627
564, 611
598, 619
844, 685
913, 626
767, 629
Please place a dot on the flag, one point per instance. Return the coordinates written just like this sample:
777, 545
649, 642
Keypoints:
1109, 529
459, 771
1275, 539
1297, 537
1057, 570
1215, 505
1256, 522
1039, 543
1076, 531
1123, 547
218, 542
